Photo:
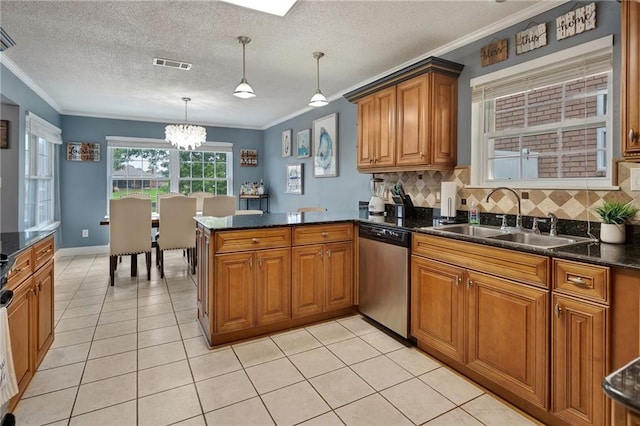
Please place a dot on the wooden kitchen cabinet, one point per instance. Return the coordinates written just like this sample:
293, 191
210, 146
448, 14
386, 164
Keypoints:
630, 82
437, 306
204, 278
253, 288
31, 314
420, 103
377, 130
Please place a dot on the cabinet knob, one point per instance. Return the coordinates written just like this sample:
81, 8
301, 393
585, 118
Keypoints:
558, 310
371, 161
328, 253
421, 155
458, 280
577, 281
255, 240
251, 262
469, 283
325, 234
320, 253
260, 261
633, 135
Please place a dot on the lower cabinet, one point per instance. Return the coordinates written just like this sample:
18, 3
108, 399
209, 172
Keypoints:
253, 289
20, 324
43, 301
204, 278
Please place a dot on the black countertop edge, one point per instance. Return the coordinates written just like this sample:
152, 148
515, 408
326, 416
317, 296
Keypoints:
12, 243
623, 385
622, 255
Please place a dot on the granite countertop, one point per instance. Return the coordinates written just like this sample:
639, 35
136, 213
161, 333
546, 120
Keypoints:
623, 386
624, 255
12, 243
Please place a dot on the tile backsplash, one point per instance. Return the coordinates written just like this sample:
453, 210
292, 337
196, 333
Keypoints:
566, 204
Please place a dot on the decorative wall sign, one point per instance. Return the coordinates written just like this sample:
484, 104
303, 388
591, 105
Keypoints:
325, 146
249, 157
496, 51
80, 151
294, 178
531, 38
304, 143
576, 21
4, 134
286, 143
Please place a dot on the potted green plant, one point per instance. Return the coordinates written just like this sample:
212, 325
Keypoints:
614, 215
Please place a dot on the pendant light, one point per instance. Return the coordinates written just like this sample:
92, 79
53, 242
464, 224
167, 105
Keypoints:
243, 90
318, 99
185, 136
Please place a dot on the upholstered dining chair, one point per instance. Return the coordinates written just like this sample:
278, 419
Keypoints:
245, 212
129, 232
311, 209
200, 197
177, 228
219, 206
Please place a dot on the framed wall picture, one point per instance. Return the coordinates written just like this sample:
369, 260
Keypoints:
83, 151
304, 143
249, 157
286, 143
4, 134
325, 146
294, 178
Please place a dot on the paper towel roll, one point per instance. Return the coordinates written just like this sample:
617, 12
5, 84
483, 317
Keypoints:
449, 191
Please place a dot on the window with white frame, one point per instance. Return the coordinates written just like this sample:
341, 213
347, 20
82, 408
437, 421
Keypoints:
546, 123
40, 172
152, 167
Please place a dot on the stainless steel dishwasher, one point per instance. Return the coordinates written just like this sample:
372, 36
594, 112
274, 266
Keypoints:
384, 276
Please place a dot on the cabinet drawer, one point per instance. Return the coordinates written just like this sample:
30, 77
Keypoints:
229, 241
22, 268
42, 252
510, 264
314, 234
581, 279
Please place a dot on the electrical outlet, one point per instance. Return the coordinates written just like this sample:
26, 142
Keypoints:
85, 233
635, 179
437, 196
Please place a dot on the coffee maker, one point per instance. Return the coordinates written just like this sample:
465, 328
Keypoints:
376, 203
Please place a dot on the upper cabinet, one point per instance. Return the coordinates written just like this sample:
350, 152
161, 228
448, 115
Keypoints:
408, 120
630, 131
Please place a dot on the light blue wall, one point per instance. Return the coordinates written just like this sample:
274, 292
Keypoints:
334, 193
84, 184
17, 100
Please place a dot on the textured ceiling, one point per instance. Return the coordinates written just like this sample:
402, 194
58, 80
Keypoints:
94, 58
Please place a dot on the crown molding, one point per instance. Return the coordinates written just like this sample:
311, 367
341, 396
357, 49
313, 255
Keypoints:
11, 66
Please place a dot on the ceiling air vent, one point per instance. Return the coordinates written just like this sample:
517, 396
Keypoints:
5, 41
170, 63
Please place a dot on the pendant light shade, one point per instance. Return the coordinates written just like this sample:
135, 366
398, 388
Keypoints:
185, 136
244, 90
318, 99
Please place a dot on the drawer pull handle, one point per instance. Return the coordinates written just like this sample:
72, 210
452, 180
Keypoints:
577, 281
255, 240
320, 253
633, 135
469, 283
558, 310
325, 234
45, 251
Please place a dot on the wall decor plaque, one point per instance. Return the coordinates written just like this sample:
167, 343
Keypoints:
248, 157
496, 51
4, 134
576, 21
532, 38
83, 151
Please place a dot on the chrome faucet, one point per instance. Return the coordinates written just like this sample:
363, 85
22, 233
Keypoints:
518, 216
553, 232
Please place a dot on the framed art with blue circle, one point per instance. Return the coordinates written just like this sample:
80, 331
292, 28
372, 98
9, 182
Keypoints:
325, 146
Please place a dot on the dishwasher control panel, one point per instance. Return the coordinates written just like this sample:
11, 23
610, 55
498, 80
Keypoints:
384, 234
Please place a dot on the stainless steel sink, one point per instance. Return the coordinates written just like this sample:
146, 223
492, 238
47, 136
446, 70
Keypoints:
514, 236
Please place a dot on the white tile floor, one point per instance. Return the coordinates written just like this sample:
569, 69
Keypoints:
133, 355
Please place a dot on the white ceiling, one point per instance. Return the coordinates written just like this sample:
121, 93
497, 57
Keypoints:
94, 58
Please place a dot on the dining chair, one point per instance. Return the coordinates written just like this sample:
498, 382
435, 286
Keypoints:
311, 209
246, 212
177, 229
158, 198
129, 232
200, 197
219, 206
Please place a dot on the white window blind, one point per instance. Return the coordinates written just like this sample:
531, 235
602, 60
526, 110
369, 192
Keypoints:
41, 128
151, 143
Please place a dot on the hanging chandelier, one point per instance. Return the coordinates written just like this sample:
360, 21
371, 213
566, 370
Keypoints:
185, 136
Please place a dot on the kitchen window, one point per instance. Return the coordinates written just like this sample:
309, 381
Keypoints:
40, 172
546, 123
151, 167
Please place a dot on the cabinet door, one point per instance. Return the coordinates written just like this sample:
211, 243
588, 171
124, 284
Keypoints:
20, 321
442, 120
307, 276
630, 86
338, 262
367, 132
273, 286
578, 361
437, 306
205, 280
508, 335
43, 287
385, 127
234, 292
411, 139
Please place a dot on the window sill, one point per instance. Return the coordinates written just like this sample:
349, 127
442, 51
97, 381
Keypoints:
49, 227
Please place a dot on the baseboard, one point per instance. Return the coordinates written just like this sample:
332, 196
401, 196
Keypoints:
82, 251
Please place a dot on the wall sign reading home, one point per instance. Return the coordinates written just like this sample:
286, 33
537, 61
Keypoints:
80, 151
576, 21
